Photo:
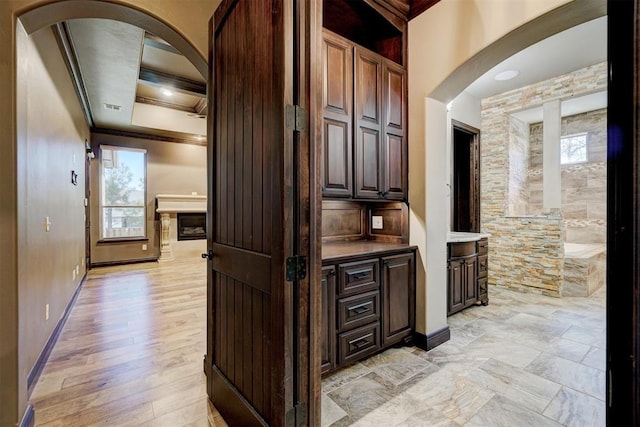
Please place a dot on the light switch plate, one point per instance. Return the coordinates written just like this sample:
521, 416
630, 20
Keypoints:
376, 222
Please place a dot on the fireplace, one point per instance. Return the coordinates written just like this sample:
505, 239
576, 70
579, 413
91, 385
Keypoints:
192, 226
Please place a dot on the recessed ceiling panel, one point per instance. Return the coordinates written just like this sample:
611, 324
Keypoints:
108, 55
156, 117
170, 63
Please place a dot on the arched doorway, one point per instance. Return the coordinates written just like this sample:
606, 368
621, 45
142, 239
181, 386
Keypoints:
40, 309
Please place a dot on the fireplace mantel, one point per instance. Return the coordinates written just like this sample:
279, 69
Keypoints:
173, 203
166, 204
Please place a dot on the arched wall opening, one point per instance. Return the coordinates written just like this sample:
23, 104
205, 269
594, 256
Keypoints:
429, 127
51, 283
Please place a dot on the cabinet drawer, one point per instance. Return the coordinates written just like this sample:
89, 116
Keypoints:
462, 249
354, 345
483, 246
483, 265
357, 277
358, 310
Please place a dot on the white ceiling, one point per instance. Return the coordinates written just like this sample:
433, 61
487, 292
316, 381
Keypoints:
570, 50
110, 55
136, 82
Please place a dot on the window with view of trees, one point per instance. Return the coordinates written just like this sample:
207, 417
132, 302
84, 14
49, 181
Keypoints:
573, 149
123, 187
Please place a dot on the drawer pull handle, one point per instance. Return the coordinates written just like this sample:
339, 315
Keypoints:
359, 276
359, 309
362, 342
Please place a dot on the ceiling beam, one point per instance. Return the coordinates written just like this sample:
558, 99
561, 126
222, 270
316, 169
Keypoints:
68, 51
160, 79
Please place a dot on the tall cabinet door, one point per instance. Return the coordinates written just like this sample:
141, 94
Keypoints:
337, 116
368, 122
394, 163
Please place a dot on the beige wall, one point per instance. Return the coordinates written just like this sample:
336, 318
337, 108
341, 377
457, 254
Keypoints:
172, 168
188, 18
51, 136
437, 46
450, 45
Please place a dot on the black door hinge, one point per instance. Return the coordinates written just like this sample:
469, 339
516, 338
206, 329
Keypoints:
296, 268
297, 416
296, 117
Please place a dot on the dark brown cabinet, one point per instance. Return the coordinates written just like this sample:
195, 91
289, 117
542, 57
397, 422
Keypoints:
379, 102
398, 296
328, 284
372, 306
337, 116
467, 275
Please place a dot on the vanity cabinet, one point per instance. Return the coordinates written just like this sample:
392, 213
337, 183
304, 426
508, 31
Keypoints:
467, 274
370, 307
363, 123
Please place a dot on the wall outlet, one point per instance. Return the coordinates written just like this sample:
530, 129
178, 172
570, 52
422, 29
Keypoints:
47, 224
46, 312
77, 270
194, 193
73, 274
376, 222
144, 246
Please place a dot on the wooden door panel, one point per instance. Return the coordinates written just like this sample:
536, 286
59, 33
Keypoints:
368, 87
328, 338
337, 74
251, 327
471, 281
398, 297
394, 97
455, 288
368, 163
395, 167
336, 158
337, 116
395, 144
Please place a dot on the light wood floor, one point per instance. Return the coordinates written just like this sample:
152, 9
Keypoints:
131, 352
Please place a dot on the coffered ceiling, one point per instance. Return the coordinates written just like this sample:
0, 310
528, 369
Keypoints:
133, 82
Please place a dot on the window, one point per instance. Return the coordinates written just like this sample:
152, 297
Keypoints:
573, 149
123, 187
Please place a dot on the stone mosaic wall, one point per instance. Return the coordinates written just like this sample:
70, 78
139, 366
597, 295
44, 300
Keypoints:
525, 252
584, 185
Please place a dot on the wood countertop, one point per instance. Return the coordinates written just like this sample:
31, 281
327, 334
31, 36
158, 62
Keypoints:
336, 250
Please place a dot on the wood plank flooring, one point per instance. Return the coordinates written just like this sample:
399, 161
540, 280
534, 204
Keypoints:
131, 352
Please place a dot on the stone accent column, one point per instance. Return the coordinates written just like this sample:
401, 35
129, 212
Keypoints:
165, 245
551, 176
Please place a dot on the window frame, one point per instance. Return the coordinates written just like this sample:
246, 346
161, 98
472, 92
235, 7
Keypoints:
586, 148
102, 206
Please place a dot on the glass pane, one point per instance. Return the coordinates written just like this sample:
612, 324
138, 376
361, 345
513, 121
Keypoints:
573, 149
122, 222
123, 177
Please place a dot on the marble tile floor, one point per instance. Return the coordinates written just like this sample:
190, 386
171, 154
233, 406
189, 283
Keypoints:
523, 360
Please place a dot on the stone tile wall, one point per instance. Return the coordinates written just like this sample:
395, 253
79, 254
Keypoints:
584, 185
526, 253
518, 186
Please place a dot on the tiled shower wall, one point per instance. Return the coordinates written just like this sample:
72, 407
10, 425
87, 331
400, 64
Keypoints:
584, 185
502, 196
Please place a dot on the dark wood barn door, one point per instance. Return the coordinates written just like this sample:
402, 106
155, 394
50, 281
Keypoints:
258, 353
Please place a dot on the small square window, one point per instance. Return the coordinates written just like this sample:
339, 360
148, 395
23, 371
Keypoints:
573, 149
